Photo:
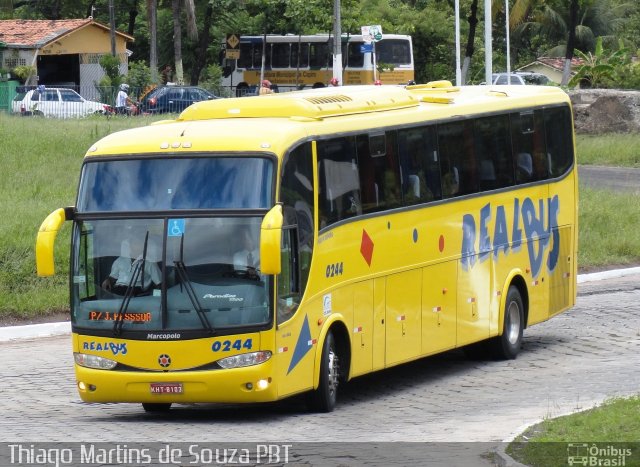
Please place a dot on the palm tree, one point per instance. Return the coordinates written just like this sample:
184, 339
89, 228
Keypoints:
566, 27
192, 32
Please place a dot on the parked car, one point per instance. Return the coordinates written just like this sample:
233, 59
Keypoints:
520, 78
173, 98
55, 102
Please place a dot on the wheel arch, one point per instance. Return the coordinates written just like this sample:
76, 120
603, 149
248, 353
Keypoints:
343, 344
517, 280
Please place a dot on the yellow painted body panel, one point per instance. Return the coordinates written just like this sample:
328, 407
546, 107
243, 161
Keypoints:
418, 294
221, 385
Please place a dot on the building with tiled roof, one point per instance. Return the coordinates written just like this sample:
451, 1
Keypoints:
62, 52
551, 67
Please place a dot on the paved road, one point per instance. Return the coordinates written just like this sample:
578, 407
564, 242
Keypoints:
611, 178
571, 362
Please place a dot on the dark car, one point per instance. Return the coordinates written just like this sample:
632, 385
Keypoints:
164, 99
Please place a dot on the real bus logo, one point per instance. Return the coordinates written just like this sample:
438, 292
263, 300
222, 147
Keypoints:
490, 233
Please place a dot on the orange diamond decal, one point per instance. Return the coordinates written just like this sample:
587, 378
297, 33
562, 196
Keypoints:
366, 247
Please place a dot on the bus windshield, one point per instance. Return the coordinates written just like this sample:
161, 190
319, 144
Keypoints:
162, 184
172, 274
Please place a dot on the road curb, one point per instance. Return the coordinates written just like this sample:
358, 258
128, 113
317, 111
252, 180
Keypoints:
34, 331
615, 273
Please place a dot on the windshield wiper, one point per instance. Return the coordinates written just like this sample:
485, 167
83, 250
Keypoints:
184, 279
138, 268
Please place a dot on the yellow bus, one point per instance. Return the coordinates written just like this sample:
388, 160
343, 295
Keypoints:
256, 248
293, 62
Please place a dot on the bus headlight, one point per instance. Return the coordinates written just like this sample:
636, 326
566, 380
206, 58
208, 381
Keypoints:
93, 361
245, 359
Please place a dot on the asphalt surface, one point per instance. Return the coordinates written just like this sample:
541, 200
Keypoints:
612, 178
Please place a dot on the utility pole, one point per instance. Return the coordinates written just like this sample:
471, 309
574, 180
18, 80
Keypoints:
457, 25
488, 52
112, 24
337, 42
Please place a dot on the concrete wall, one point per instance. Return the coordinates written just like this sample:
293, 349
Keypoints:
600, 111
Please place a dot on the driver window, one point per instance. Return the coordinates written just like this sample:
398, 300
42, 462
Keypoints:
288, 280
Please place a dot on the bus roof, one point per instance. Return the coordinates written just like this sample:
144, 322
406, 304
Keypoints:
272, 123
294, 38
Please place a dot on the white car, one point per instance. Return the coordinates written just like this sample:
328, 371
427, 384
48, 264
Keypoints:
56, 102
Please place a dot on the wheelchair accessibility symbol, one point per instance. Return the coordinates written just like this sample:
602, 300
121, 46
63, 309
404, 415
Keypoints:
176, 228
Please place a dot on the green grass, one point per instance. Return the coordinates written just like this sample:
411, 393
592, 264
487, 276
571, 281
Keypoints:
41, 159
608, 229
614, 423
619, 150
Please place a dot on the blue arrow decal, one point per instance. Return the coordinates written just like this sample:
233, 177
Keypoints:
302, 346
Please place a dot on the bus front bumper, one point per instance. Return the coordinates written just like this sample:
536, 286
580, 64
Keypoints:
238, 385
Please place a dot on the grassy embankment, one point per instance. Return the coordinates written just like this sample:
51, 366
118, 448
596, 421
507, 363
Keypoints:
614, 424
40, 167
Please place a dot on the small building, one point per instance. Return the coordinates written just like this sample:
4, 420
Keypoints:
551, 67
62, 52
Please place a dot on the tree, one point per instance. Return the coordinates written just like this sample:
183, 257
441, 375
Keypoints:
599, 68
152, 17
573, 20
200, 61
192, 32
472, 19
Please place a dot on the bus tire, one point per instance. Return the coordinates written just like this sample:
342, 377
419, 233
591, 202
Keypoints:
324, 398
507, 345
242, 89
156, 406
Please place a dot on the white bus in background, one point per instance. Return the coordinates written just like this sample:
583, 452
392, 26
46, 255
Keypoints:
296, 62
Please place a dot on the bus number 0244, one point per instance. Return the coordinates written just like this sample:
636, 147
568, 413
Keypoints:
335, 269
226, 346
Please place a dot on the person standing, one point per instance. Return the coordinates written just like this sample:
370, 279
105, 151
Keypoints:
265, 87
122, 100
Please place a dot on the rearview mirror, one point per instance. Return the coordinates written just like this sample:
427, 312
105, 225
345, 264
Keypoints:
270, 238
45, 241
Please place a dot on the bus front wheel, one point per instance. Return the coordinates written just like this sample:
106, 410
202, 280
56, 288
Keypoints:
507, 345
156, 407
324, 398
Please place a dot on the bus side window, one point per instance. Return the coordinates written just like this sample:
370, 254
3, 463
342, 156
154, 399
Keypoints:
419, 165
557, 124
527, 138
339, 183
246, 55
280, 55
379, 171
457, 155
355, 57
318, 55
300, 55
494, 152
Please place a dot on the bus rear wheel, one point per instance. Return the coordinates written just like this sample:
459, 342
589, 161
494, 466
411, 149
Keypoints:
324, 398
156, 407
507, 346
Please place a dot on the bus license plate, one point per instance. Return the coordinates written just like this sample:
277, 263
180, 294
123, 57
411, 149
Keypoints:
166, 388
